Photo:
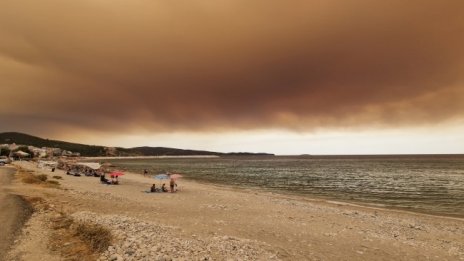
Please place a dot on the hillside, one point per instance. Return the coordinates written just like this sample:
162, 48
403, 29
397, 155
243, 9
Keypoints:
25, 139
93, 151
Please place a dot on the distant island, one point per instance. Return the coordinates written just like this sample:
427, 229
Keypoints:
10, 141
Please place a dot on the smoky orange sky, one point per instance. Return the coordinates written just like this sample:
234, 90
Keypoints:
151, 66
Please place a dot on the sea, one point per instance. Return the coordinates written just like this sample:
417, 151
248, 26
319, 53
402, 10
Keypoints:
432, 184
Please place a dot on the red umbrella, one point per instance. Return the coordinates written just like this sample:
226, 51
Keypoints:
116, 174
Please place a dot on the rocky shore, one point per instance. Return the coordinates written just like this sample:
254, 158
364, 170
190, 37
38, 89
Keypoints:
140, 240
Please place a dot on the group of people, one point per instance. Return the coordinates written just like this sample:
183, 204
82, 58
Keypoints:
172, 187
114, 180
77, 172
153, 188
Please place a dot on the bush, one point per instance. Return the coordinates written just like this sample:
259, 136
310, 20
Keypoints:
42, 177
98, 237
53, 182
31, 179
57, 177
4, 151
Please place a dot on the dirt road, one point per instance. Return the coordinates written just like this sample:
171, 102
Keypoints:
13, 210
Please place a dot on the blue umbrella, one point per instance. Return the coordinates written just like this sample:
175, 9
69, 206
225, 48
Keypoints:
161, 176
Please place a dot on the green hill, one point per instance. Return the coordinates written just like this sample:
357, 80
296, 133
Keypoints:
25, 139
94, 151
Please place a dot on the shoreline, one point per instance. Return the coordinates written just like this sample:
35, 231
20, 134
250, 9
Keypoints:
149, 157
284, 227
422, 204
322, 200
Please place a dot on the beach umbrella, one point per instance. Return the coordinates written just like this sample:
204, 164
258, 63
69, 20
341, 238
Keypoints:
116, 174
161, 176
176, 176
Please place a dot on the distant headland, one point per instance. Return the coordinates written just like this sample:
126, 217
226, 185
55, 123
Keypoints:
13, 141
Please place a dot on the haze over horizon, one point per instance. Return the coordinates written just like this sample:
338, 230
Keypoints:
298, 77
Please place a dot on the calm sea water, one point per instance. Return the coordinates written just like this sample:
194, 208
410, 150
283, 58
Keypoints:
431, 184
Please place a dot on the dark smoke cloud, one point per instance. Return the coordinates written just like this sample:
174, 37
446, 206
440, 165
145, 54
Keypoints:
221, 65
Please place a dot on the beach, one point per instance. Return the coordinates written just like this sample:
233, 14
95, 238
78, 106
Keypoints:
212, 222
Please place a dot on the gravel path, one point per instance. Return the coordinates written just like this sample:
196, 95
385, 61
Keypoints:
14, 211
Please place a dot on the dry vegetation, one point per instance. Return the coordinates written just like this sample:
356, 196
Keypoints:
69, 239
97, 237
53, 182
72, 240
78, 241
42, 179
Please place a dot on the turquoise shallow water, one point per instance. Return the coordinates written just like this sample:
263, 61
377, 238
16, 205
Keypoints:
430, 184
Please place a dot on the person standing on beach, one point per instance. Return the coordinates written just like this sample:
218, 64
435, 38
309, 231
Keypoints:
172, 183
145, 172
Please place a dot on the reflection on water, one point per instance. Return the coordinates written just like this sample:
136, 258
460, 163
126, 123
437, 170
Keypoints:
433, 184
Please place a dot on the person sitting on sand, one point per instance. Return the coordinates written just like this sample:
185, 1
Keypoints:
153, 188
114, 180
163, 188
104, 180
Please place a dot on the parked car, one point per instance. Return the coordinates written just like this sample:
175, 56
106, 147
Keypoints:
4, 160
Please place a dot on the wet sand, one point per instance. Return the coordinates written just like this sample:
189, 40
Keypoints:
14, 211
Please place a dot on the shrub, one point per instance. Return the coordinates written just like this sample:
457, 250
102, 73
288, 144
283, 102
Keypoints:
42, 177
53, 182
4, 151
34, 200
98, 237
31, 179
57, 177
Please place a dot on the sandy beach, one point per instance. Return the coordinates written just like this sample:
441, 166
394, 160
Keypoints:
208, 222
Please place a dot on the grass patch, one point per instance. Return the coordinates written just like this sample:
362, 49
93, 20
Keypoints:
42, 177
98, 237
34, 200
52, 183
75, 240
31, 179
57, 177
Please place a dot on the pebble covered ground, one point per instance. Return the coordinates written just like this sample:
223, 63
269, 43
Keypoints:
139, 240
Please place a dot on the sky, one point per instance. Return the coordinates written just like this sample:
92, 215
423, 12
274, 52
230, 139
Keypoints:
284, 77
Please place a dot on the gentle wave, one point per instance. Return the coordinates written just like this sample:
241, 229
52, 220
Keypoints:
425, 184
